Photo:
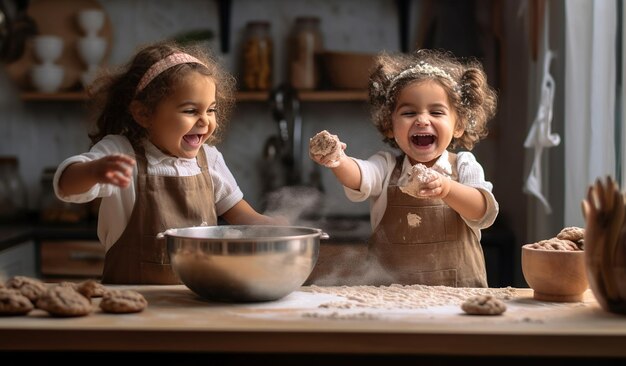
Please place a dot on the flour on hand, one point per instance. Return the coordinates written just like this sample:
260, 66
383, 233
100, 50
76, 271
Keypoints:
328, 146
418, 175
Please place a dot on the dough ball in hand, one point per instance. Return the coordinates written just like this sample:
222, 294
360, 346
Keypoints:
418, 175
325, 146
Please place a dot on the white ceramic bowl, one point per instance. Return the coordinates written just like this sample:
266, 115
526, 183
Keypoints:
47, 78
47, 48
92, 49
90, 21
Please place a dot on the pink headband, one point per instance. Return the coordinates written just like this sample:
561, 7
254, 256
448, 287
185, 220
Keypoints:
160, 66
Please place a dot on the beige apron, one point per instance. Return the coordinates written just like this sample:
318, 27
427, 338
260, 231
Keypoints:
424, 241
161, 203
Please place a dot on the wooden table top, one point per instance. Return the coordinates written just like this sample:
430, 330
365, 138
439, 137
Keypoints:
305, 321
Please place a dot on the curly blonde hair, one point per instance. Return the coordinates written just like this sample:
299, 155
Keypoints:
465, 83
114, 90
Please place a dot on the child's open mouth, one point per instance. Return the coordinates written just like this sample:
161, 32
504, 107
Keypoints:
423, 140
193, 139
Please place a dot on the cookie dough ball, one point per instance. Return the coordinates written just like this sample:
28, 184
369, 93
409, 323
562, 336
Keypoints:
573, 233
326, 145
64, 301
30, 287
554, 244
483, 305
123, 301
12, 302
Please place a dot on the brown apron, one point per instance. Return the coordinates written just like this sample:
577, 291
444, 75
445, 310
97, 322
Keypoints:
424, 241
161, 203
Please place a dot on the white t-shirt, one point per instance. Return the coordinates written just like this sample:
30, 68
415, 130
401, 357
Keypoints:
376, 173
117, 203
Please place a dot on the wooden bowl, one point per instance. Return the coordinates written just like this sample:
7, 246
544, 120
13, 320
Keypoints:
555, 275
348, 70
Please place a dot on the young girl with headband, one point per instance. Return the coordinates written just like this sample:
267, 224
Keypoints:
153, 159
428, 204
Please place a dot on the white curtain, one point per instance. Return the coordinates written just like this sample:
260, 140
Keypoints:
590, 36
623, 99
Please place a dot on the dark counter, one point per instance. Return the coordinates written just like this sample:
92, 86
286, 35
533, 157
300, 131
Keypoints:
12, 234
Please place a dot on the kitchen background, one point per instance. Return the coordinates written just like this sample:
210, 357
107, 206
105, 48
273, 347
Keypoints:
503, 34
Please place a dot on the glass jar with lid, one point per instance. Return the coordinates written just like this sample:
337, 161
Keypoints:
13, 196
305, 47
257, 56
52, 209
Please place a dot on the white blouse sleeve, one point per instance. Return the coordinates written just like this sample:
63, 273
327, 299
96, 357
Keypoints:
109, 145
374, 176
227, 192
471, 173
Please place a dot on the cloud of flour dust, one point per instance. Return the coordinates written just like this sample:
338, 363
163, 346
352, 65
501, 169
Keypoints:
292, 202
348, 267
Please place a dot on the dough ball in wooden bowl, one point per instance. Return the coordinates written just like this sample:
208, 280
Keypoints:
555, 270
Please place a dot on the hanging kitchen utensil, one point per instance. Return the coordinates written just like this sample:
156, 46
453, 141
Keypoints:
272, 168
286, 112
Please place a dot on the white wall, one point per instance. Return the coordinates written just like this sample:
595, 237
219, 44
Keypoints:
42, 134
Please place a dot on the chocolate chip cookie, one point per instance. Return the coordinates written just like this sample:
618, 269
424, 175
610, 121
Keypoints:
123, 301
30, 287
64, 301
483, 305
12, 302
91, 288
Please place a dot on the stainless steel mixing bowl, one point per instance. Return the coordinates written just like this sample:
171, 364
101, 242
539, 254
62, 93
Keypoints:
243, 263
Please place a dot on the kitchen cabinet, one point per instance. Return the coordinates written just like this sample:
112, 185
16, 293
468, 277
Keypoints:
71, 259
18, 260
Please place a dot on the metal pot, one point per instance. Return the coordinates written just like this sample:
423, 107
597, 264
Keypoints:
243, 263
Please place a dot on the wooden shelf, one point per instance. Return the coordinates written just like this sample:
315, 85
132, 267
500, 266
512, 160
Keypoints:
242, 96
309, 96
54, 97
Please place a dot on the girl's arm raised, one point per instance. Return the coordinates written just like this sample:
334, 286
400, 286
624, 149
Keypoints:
78, 178
348, 173
326, 149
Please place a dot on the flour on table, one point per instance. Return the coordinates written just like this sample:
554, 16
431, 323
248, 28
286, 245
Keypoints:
404, 296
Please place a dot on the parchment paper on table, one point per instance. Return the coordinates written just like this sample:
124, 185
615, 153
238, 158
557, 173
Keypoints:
328, 146
418, 175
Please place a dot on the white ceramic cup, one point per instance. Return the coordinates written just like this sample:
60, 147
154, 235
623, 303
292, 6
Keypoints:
47, 78
47, 48
90, 21
88, 76
92, 49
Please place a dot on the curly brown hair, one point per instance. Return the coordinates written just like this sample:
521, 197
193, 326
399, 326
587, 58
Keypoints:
114, 90
464, 81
